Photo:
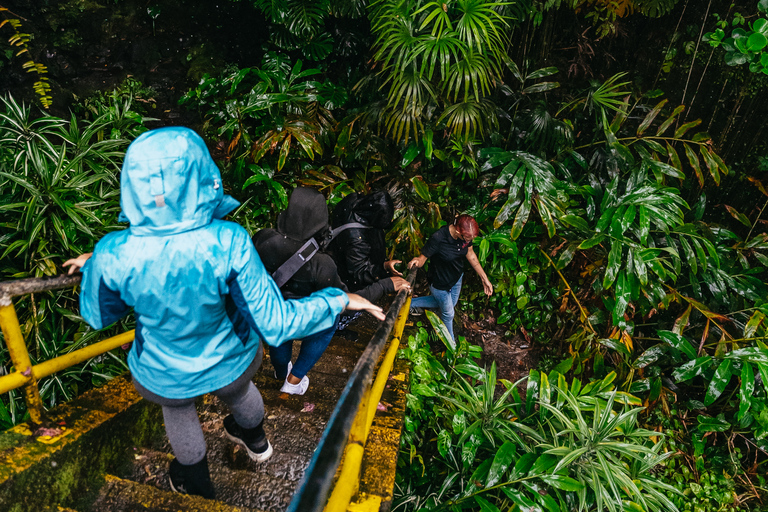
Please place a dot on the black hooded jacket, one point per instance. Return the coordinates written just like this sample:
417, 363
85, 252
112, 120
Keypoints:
360, 253
305, 217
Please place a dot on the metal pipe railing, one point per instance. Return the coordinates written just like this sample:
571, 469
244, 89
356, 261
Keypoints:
318, 478
26, 375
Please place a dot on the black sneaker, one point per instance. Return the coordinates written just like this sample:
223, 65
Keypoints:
254, 440
194, 479
416, 311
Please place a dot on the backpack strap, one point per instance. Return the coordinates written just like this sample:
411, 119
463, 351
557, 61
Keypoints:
349, 225
295, 262
305, 253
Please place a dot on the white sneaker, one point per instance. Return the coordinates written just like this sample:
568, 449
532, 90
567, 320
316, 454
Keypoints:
295, 389
290, 367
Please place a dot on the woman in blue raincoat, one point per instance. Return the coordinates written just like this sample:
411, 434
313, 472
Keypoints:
201, 297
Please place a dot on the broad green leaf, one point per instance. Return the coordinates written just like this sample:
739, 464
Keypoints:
650, 117
444, 442
649, 356
575, 221
520, 499
485, 505
754, 322
718, 383
563, 482
501, 461
541, 87
421, 188
691, 369
678, 342
521, 218
614, 263
523, 465
707, 424
543, 464
591, 242
756, 355
671, 119
673, 157
684, 128
693, 159
746, 390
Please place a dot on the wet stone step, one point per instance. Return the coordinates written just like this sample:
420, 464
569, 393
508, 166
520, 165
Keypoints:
294, 425
119, 495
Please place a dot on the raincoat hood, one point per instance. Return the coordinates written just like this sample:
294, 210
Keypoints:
306, 215
375, 210
169, 184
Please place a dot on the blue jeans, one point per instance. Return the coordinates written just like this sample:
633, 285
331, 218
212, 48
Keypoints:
444, 300
312, 348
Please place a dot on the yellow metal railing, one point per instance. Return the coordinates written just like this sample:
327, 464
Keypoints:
349, 476
26, 375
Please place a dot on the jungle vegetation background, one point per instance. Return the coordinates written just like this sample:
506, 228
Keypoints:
612, 150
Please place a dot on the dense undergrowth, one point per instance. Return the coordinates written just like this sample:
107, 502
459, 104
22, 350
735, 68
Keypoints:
614, 232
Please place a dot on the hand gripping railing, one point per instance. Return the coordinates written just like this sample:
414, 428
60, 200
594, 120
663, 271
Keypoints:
26, 375
350, 422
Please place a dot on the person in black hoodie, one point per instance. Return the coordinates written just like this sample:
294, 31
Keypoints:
360, 253
305, 217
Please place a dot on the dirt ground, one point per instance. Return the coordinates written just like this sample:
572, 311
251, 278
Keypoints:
514, 356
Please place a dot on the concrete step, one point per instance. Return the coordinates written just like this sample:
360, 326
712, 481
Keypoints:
120, 495
294, 425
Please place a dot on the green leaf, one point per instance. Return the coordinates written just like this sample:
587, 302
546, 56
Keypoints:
485, 505
678, 342
591, 242
693, 159
521, 218
719, 382
707, 424
520, 499
687, 126
671, 119
746, 390
444, 439
650, 117
543, 464
614, 263
523, 465
563, 483
501, 461
691, 369
421, 188
751, 354
575, 221
754, 322
410, 154
649, 356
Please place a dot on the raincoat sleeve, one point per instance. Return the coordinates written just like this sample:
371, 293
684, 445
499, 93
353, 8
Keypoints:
274, 319
100, 302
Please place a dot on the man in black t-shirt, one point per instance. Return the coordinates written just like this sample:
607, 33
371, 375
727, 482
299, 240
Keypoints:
447, 249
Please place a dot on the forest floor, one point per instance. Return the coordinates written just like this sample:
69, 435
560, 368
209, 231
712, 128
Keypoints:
513, 354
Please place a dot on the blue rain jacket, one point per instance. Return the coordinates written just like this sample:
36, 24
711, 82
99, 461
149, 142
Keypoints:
200, 294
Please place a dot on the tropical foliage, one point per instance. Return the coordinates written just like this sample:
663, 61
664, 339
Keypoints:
614, 231
60, 193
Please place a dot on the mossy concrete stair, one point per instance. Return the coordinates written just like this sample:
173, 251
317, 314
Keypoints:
112, 455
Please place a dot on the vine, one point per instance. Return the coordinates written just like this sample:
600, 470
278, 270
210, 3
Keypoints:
20, 40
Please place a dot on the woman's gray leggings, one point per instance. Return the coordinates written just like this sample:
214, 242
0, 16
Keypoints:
182, 425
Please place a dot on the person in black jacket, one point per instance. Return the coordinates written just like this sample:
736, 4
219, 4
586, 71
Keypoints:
447, 249
360, 253
305, 217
